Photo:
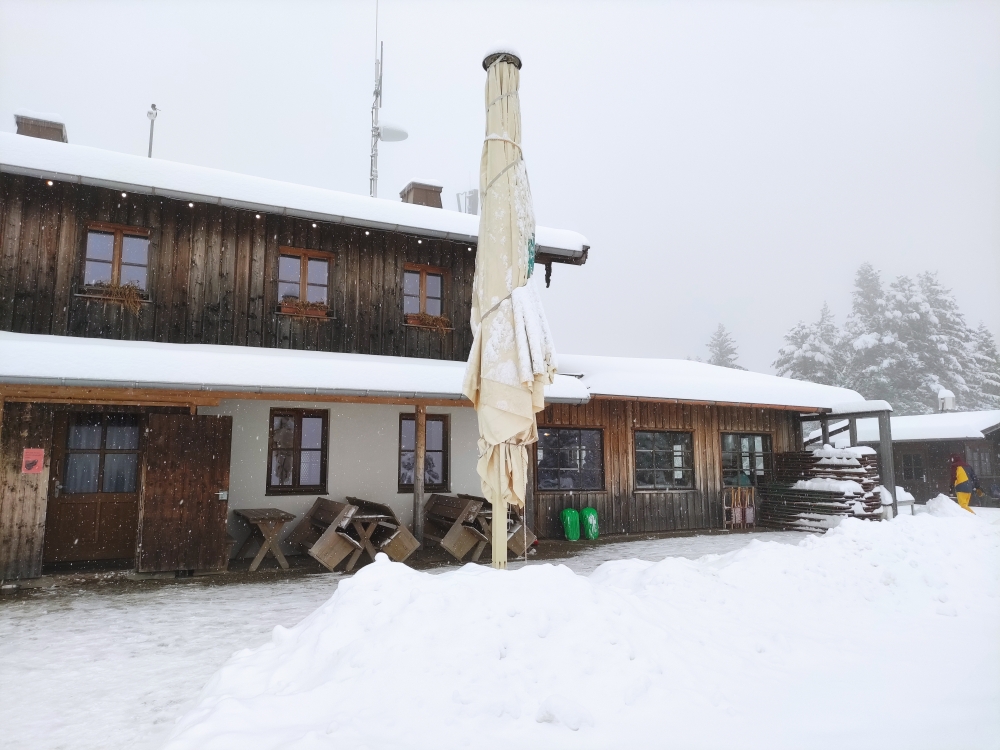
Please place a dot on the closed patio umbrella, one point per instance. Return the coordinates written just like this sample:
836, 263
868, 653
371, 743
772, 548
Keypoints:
512, 357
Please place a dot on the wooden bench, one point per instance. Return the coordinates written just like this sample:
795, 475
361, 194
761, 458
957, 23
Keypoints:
265, 526
322, 532
380, 530
451, 521
519, 536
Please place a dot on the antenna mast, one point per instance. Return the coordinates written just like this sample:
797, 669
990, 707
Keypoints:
373, 178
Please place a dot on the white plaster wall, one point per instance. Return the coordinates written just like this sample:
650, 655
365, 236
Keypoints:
362, 456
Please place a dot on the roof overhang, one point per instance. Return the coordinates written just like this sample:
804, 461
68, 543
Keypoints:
41, 166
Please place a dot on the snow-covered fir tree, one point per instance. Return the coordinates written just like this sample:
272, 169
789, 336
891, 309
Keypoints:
813, 351
868, 339
942, 341
722, 349
903, 344
984, 377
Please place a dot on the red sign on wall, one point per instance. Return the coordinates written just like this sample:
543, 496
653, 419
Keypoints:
32, 460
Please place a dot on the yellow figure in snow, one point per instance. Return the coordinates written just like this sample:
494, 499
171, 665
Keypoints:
964, 480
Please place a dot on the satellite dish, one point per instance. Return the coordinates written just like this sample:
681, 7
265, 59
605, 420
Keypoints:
390, 133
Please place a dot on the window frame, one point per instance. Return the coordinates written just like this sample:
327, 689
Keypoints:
635, 461
424, 271
768, 457
445, 486
120, 231
904, 469
103, 451
602, 485
296, 488
304, 256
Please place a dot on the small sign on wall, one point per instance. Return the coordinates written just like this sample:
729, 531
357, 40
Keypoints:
32, 460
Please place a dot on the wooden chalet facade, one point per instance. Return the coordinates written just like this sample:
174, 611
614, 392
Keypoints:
177, 343
627, 502
108, 247
212, 275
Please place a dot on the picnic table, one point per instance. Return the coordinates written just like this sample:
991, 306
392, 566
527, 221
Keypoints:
464, 522
265, 527
332, 532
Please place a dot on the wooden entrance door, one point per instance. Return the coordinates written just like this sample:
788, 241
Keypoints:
185, 493
93, 506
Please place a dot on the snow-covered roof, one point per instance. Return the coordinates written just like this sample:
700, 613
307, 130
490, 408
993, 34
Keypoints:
684, 380
33, 359
855, 407
67, 162
949, 425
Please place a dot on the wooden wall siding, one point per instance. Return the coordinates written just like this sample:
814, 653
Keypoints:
212, 275
23, 496
623, 510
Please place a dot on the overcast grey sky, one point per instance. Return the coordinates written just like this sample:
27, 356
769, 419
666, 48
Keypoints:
729, 162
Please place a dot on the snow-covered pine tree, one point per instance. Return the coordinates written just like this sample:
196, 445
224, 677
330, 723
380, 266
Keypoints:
813, 351
985, 375
906, 342
722, 349
867, 368
942, 341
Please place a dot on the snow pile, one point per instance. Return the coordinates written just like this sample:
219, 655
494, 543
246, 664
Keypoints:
769, 646
944, 506
844, 486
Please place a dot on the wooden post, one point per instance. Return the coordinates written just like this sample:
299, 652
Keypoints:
824, 426
885, 454
420, 426
529, 490
499, 540
853, 427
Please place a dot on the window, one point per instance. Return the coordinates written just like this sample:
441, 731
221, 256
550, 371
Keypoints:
570, 459
102, 454
979, 460
304, 276
436, 451
663, 461
297, 452
423, 290
913, 466
116, 256
746, 459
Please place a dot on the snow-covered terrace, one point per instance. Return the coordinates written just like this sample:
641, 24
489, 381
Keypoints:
67, 162
953, 425
685, 381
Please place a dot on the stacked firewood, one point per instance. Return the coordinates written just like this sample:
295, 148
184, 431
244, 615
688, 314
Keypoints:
813, 489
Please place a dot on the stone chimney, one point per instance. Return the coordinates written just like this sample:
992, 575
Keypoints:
423, 193
36, 128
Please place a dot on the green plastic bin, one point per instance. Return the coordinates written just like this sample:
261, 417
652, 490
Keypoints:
588, 518
571, 524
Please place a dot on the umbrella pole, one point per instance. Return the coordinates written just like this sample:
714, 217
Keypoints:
500, 518
420, 451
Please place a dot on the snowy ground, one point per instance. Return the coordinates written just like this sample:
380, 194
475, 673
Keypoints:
102, 668
769, 624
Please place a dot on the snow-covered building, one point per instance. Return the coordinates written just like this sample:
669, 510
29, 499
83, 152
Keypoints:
178, 342
922, 445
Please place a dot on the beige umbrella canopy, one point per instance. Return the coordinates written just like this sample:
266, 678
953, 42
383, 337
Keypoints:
512, 357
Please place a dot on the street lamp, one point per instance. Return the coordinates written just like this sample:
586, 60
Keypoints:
151, 114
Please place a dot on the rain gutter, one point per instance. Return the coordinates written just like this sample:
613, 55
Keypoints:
248, 389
